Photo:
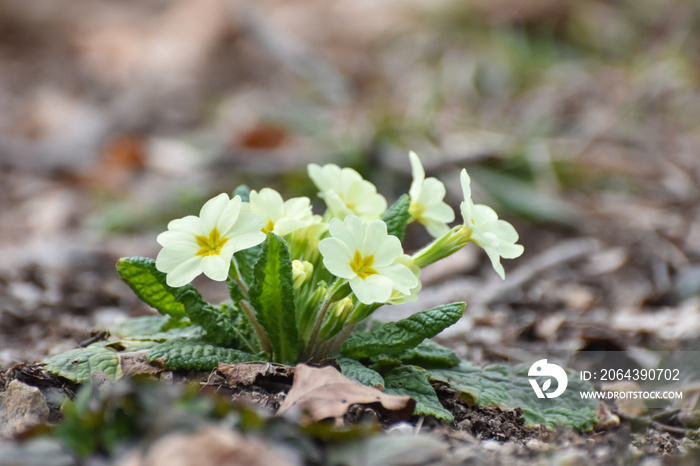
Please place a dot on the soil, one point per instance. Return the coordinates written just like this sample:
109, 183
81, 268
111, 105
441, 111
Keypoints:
498, 433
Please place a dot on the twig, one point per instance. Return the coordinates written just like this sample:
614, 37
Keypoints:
670, 429
563, 253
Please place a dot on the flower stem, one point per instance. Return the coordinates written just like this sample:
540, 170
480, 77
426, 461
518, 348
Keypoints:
312, 344
259, 331
235, 275
340, 338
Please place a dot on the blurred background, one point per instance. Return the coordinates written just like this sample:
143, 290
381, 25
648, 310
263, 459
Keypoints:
579, 121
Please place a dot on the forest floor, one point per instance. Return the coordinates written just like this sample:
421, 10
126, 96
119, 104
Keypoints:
585, 140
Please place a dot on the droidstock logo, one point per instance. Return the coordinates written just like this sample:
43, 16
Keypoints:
542, 368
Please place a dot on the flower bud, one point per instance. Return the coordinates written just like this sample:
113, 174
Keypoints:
444, 246
337, 315
301, 270
342, 308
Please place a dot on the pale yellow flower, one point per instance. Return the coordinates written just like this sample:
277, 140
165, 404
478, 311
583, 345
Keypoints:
205, 244
346, 192
427, 206
366, 255
482, 226
280, 217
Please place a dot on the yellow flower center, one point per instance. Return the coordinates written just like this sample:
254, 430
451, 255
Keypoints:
210, 246
417, 210
362, 266
269, 226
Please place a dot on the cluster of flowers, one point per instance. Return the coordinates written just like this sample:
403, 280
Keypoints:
350, 240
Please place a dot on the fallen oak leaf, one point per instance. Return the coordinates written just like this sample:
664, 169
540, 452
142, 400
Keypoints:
245, 374
135, 363
324, 393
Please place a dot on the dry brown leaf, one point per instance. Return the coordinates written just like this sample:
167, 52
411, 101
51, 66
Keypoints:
137, 364
606, 418
248, 374
326, 393
263, 136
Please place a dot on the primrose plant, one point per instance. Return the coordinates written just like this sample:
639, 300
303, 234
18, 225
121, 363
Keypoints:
301, 283
302, 287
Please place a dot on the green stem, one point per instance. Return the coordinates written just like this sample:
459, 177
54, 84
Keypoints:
340, 338
259, 331
311, 345
236, 275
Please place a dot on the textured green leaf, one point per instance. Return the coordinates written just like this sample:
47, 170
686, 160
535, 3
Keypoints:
147, 325
412, 381
272, 295
396, 218
126, 346
429, 355
509, 387
384, 363
355, 370
394, 338
153, 328
79, 364
149, 284
198, 355
244, 262
245, 334
215, 320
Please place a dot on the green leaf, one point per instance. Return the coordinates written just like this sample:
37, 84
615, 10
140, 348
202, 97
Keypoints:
412, 381
384, 363
149, 284
216, 322
198, 355
79, 364
245, 334
509, 387
244, 269
243, 191
396, 218
429, 354
394, 338
355, 370
272, 295
155, 328
147, 325
126, 346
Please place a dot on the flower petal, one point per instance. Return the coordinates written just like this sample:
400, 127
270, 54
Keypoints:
373, 289
351, 231
387, 250
183, 271
216, 267
402, 278
337, 257
483, 215
496, 262
418, 176
436, 228
191, 225
211, 211
433, 192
